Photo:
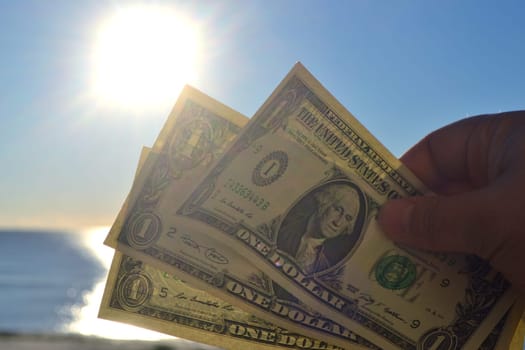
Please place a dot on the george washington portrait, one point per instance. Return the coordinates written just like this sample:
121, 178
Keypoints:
324, 226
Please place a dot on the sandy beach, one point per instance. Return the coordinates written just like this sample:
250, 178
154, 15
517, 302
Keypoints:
11, 341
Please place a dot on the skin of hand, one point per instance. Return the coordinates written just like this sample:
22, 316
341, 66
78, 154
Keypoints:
476, 169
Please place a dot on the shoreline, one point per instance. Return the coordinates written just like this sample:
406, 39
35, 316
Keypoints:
74, 341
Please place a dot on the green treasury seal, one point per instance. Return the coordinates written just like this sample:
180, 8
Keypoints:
395, 272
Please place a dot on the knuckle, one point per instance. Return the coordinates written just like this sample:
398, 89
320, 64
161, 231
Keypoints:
497, 233
426, 223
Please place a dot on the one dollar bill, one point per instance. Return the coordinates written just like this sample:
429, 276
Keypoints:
194, 136
141, 295
297, 193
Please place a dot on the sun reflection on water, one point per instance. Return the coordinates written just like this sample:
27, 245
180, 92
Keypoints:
85, 320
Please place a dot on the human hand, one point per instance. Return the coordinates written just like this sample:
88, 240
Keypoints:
476, 168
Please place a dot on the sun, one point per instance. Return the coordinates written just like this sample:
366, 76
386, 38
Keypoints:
143, 56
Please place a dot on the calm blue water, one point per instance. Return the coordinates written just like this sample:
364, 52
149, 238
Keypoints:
43, 275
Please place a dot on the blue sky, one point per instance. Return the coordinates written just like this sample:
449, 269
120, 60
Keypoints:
403, 68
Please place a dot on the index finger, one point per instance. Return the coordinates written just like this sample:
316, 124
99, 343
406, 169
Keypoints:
451, 159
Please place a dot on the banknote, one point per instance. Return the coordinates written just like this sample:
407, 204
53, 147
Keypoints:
517, 341
141, 295
297, 194
195, 134
509, 332
512, 335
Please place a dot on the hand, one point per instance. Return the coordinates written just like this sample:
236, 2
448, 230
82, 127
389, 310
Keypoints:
476, 168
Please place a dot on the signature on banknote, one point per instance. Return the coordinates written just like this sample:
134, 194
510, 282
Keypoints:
209, 253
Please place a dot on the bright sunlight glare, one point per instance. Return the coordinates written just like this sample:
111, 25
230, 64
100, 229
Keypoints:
143, 56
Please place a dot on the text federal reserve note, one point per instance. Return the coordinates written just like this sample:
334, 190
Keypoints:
297, 194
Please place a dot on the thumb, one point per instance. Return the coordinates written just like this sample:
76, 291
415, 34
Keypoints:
460, 223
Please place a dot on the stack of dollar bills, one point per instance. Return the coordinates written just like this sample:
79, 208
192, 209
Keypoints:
261, 233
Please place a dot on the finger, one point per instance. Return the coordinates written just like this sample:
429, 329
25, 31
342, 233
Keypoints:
461, 223
443, 160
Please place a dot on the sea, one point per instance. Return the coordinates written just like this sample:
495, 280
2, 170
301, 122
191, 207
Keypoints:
53, 281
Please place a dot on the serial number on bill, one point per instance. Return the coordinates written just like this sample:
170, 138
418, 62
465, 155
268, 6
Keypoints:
246, 193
